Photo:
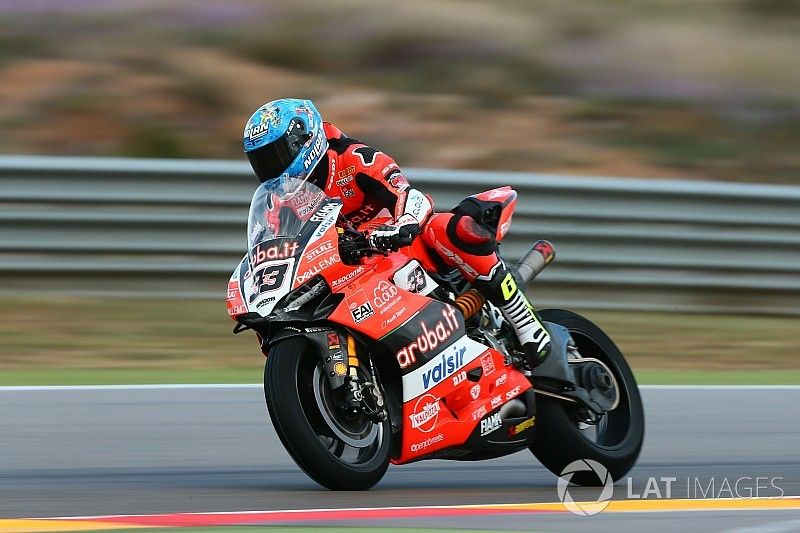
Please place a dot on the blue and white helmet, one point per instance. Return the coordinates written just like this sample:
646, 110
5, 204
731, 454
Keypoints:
285, 138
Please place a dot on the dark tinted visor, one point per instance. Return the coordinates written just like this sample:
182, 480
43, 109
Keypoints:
272, 160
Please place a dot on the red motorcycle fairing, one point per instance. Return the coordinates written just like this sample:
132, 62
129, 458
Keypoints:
451, 383
235, 300
453, 386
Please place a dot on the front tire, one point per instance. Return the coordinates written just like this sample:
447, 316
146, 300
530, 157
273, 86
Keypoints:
618, 436
336, 448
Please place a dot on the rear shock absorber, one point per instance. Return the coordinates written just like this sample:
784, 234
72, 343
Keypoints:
470, 303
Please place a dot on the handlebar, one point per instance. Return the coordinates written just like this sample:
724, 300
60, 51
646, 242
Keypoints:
353, 245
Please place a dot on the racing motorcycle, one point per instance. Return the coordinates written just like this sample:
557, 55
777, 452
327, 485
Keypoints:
377, 357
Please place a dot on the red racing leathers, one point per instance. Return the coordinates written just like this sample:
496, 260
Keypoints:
370, 185
369, 182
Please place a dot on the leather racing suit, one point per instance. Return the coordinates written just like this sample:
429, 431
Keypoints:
371, 184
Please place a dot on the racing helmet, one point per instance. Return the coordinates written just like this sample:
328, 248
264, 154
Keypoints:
285, 138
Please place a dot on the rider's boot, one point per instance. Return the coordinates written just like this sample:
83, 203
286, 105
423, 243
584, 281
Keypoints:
500, 288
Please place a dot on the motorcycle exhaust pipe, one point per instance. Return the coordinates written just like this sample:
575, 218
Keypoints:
535, 260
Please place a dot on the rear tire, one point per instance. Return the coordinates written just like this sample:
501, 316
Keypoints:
337, 449
618, 439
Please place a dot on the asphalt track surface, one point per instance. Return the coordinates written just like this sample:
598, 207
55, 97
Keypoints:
68, 452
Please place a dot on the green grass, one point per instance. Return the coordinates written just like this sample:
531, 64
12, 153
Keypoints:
84, 341
101, 376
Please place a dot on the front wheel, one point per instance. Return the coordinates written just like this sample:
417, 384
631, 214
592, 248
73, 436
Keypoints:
337, 448
562, 434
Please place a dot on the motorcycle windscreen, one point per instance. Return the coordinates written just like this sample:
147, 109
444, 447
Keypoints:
281, 208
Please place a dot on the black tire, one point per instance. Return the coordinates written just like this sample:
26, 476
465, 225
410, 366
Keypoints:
559, 441
313, 439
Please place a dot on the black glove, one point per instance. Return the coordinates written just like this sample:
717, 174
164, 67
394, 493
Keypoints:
390, 237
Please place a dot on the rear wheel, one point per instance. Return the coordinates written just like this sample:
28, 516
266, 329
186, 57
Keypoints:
339, 449
562, 432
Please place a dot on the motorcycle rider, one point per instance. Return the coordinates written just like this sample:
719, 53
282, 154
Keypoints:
288, 137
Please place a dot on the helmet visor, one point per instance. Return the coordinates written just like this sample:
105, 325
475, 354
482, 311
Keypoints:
272, 160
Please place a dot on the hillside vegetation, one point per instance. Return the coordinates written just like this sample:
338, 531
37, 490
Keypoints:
655, 88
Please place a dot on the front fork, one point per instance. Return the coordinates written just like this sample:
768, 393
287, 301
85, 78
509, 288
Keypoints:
354, 379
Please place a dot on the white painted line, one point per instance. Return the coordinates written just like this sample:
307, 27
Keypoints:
167, 386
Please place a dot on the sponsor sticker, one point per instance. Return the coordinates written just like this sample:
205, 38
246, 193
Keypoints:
324, 263
480, 412
429, 338
282, 250
426, 413
459, 378
522, 426
323, 212
346, 173
326, 222
360, 308
487, 362
265, 301
333, 341
430, 441
501, 380
237, 310
496, 401
449, 361
322, 248
389, 321
513, 392
347, 278
413, 278
340, 369
475, 391
491, 424
384, 296
315, 151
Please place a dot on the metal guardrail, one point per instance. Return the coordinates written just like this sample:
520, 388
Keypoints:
177, 228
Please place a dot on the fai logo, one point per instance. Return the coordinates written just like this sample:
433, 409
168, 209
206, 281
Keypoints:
360, 308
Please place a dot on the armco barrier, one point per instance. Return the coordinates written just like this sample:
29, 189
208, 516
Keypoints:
176, 228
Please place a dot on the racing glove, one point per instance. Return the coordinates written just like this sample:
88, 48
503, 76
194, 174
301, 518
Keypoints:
390, 237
